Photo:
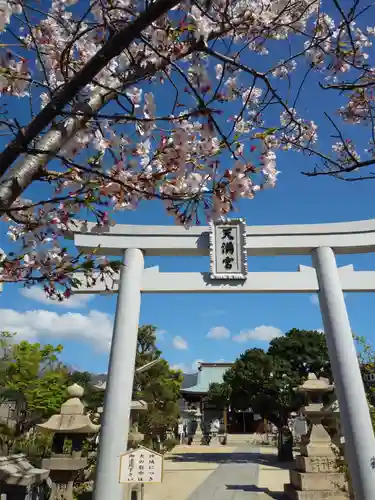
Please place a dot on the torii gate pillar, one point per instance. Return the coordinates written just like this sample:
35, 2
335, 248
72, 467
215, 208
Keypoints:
118, 394
321, 241
354, 411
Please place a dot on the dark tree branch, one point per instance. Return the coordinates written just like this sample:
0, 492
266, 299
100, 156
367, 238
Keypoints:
112, 48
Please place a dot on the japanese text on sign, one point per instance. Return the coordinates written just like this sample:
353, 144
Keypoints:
228, 250
141, 466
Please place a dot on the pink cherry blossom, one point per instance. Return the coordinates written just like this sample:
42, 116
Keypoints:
193, 112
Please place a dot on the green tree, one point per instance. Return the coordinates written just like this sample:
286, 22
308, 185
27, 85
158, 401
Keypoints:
266, 381
159, 386
147, 349
93, 398
33, 377
219, 395
305, 351
366, 359
81, 378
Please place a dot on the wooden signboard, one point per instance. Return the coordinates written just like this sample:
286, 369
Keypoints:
141, 466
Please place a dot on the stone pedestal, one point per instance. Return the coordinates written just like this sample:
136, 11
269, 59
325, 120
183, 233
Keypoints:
214, 441
315, 476
198, 434
63, 473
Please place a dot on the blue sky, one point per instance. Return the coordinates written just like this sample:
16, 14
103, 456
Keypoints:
83, 326
84, 329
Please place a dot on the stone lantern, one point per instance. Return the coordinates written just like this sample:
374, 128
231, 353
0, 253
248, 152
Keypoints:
71, 424
315, 474
314, 390
137, 406
196, 436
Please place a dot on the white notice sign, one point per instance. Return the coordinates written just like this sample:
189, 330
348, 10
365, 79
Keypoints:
141, 466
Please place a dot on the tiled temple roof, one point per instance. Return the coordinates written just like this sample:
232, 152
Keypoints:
208, 373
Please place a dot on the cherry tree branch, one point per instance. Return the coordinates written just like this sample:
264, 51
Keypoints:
112, 48
33, 166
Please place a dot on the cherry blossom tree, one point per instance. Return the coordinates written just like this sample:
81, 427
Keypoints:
108, 103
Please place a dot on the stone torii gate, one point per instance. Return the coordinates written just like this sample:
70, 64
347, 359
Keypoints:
321, 241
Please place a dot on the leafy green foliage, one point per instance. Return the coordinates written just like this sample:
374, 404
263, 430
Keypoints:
81, 378
32, 376
147, 351
219, 395
159, 386
266, 381
366, 358
35, 447
92, 398
305, 350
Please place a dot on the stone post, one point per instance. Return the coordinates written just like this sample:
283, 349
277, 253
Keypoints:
119, 387
354, 411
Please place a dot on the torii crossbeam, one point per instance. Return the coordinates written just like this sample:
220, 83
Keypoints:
321, 241
303, 281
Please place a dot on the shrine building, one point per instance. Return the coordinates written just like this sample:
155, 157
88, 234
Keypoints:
194, 392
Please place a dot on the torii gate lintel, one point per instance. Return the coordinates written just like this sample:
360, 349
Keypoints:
321, 241
303, 281
342, 237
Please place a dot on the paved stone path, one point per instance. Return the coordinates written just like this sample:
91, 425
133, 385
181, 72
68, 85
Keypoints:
222, 473
234, 479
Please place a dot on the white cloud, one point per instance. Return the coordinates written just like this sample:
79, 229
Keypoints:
218, 333
94, 328
179, 366
160, 334
185, 368
179, 343
74, 302
262, 332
